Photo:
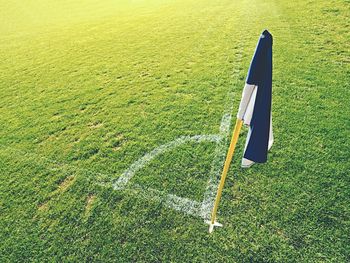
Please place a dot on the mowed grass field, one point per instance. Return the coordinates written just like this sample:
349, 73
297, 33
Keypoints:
87, 88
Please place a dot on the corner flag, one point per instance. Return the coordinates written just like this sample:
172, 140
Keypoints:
255, 106
254, 111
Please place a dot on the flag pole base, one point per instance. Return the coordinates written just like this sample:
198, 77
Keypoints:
211, 225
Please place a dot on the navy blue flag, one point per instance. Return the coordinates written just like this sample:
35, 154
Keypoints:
255, 106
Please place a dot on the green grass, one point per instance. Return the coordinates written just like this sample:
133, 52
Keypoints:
89, 87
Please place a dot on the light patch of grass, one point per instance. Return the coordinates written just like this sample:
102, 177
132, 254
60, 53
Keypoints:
95, 125
66, 183
43, 207
89, 204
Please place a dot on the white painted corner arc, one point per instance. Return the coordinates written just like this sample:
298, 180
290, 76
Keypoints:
123, 180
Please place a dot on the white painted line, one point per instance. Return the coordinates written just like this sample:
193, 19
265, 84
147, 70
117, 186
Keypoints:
123, 180
181, 204
216, 167
220, 153
185, 205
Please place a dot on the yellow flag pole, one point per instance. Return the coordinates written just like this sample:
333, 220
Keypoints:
228, 160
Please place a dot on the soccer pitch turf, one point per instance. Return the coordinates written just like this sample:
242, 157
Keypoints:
116, 116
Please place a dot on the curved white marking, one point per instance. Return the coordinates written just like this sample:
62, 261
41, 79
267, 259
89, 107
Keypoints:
140, 163
178, 203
